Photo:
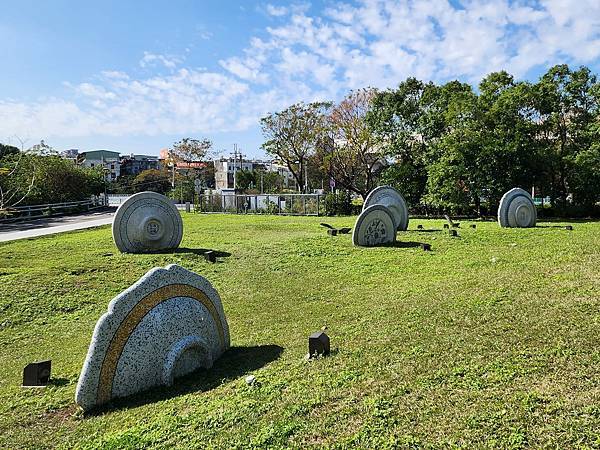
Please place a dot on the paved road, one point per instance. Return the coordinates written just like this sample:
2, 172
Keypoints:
52, 225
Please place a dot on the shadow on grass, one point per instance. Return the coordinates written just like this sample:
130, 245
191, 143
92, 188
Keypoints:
403, 244
200, 251
235, 362
433, 230
59, 382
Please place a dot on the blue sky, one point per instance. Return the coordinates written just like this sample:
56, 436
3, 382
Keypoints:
134, 76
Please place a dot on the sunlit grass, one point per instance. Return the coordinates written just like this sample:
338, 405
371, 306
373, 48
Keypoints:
489, 340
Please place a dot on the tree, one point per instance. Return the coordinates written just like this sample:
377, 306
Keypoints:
17, 179
152, 180
396, 120
292, 134
245, 179
6, 150
355, 156
188, 149
567, 103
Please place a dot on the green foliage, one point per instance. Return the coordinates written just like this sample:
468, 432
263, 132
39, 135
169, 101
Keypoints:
338, 204
292, 135
6, 150
245, 179
152, 180
54, 179
453, 149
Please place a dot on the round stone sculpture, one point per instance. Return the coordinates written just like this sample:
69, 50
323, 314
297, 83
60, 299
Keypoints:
147, 222
393, 200
517, 209
374, 226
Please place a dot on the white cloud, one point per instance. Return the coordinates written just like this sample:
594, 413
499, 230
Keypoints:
320, 56
152, 59
276, 11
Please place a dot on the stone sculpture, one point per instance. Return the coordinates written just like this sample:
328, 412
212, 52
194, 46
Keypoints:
147, 222
374, 226
169, 323
517, 209
393, 200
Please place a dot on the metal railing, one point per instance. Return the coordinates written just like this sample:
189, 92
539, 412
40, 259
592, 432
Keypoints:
51, 209
281, 204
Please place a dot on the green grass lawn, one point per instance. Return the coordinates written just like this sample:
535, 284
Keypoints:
490, 340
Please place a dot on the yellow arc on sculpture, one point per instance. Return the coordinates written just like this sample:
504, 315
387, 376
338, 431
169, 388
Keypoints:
131, 321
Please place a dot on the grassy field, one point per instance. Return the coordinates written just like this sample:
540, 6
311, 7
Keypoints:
490, 340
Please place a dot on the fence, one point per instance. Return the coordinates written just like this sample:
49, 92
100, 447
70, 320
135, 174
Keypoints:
51, 209
284, 204
117, 199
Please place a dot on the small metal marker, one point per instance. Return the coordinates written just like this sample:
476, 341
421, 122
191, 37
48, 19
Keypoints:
569, 227
318, 344
332, 232
37, 374
452, 233
210, 256
426, 247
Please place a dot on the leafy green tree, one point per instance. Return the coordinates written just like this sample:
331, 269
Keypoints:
152, 180
245, 179
396, 120
292, 135
6, 150
567, 103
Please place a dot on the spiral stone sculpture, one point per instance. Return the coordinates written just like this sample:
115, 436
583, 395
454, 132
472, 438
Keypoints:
147, 222
393, 200
517, 209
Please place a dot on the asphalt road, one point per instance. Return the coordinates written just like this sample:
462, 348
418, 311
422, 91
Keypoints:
53, 225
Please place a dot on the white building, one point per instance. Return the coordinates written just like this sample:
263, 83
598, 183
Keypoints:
225, 169
106, 159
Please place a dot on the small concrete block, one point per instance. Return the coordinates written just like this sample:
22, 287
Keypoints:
426, 247
452, 233
210, 256
318, 344
37, 373
332, 232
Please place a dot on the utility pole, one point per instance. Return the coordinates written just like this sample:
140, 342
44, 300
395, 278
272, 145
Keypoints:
235, 154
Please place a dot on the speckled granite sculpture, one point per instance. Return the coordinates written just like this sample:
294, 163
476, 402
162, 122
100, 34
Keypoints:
517, 209
147, 222
393, 200
374, 226
170, 323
